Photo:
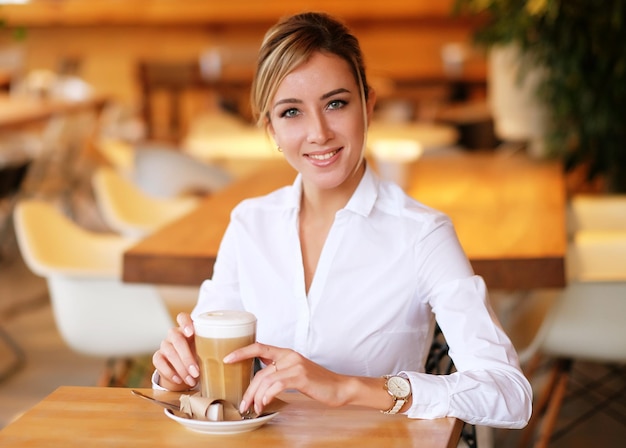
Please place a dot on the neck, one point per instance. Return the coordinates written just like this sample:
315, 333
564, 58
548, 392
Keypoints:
325, 203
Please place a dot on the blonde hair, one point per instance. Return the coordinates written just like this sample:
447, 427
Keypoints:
290, 43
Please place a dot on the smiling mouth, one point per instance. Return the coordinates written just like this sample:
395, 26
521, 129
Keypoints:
324, 156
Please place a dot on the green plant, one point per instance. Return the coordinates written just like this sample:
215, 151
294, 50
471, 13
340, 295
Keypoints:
17, 33
582, 44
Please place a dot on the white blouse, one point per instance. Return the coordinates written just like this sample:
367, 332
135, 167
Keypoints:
388, 267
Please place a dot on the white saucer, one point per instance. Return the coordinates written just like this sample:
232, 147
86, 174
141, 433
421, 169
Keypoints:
231, 427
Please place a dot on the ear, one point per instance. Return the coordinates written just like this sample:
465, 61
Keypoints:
371, 102
269, 128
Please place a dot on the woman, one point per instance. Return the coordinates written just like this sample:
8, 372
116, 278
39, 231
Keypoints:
344, 272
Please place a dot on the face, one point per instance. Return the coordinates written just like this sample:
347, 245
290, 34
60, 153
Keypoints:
317, 120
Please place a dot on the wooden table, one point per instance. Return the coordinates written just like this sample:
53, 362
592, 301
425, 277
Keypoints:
95, 417
509, 213
18, 112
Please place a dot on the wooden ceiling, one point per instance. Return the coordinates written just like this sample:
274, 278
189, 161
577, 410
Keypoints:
216, 12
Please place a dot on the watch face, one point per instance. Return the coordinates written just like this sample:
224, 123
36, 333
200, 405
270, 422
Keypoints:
399, 386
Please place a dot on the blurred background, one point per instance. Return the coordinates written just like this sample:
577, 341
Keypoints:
418, 54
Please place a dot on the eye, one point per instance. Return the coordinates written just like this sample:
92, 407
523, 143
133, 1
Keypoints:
290, 113
336, 104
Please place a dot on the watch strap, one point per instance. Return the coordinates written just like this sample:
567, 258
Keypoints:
397, 405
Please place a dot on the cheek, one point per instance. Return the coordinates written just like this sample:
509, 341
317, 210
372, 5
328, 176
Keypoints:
355, 128
288, 135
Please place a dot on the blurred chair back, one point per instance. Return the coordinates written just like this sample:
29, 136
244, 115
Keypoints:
597, 212
129, 211
172, 78
597, 256
220, 83
163, 172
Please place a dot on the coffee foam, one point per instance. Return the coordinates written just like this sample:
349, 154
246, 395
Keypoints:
224, 324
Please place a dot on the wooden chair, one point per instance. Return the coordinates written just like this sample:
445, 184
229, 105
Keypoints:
171, 78
11, 177
177, 80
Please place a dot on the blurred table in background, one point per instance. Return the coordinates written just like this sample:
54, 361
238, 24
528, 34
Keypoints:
473, 121
16, 112
227, 140
51, 136
508, 210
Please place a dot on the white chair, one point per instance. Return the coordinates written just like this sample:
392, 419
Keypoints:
597, 212
165, 172
162, 171
129, 211
95, 312
585, 324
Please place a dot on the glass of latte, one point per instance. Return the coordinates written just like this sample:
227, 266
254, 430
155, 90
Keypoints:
217, 333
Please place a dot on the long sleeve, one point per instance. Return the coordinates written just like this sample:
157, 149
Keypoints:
488, 387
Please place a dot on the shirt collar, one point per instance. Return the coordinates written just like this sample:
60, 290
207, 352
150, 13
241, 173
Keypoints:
362, 200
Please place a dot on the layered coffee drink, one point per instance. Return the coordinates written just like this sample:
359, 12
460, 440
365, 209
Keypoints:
218, 333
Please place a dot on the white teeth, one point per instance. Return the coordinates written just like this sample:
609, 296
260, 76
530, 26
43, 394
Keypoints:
326, 156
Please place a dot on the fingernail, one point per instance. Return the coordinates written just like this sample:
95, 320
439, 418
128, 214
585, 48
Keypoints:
188, 331
264, 400
177, 379
190, 381
242, 407
194, 371
227, 359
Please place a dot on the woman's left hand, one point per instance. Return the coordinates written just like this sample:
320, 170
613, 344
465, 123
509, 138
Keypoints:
287, 369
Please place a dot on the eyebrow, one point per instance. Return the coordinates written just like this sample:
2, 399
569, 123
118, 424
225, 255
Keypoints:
323, 97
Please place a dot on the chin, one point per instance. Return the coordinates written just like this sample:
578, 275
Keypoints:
332, 181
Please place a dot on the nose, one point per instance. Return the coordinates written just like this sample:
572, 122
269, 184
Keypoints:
319, 131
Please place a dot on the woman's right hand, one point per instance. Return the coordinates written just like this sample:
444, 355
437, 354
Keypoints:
175, 360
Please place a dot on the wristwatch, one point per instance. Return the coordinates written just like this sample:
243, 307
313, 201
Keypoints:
400, 390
